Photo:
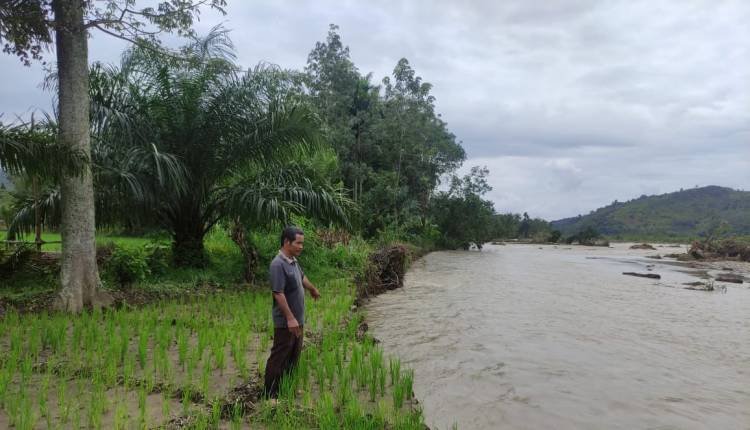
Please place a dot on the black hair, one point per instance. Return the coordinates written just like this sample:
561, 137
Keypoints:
290, 233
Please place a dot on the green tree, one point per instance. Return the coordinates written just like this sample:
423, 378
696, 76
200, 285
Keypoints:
347, 102
239, 136
461, 215
27, 27
417, 144
392, 145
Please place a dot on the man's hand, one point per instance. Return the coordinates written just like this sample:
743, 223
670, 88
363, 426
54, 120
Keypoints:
311, 288
293, 326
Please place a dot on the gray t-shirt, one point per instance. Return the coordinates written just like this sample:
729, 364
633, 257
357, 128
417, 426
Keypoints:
286, 278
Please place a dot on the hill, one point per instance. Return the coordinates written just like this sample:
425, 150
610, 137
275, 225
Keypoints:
681, 214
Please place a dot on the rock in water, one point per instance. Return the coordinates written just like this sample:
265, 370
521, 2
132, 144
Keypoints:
643, 246
729, 277
643, 275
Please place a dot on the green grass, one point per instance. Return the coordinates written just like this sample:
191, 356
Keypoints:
102, 238
104, 369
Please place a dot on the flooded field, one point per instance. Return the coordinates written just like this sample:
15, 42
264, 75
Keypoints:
531, 337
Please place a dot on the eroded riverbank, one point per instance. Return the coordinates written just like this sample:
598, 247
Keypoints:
529, 336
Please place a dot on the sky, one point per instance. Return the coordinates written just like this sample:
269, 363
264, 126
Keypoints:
570, 104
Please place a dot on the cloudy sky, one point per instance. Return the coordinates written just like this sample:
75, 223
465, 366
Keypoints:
571, 104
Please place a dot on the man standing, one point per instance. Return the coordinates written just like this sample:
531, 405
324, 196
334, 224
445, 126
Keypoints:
288, 283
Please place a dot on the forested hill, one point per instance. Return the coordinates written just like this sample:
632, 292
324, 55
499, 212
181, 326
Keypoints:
687, 213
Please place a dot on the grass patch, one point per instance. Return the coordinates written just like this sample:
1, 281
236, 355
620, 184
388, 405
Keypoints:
180, 360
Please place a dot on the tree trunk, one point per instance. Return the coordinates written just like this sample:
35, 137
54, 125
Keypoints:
37, 214
79, 275
187, 246
249, 253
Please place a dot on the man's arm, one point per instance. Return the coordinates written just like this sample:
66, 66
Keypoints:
291, 321
311, 288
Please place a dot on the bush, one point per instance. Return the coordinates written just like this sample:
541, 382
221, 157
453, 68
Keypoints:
14, 259
554, 237
127, 265
158, 258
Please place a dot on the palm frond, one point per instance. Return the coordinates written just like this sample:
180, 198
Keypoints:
262, 194
24, 220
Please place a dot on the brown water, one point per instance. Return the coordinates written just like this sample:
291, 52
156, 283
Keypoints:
520, 337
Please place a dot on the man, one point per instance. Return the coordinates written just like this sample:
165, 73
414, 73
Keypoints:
288, 283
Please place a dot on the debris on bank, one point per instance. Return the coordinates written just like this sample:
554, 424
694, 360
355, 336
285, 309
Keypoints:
714, 250
385, 271
643, 246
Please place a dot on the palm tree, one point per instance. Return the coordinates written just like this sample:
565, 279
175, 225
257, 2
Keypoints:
235, 133
183, 143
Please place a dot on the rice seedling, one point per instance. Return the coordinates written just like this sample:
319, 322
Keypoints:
326, 414
97, 406
186, 401
128, 371
398, 395
409, 383
215, 412
206, 376
142, 348
394, 366
121, 416
44, 396
166, 405
182, 346
236, 422
142, 395
63, 408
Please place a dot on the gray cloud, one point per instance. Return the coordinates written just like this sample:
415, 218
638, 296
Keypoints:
571, 104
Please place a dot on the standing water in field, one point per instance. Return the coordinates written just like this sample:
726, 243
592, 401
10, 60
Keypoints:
532, 337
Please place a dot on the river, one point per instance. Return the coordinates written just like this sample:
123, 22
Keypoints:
541, 337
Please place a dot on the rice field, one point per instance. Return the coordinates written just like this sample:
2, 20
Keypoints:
180, 364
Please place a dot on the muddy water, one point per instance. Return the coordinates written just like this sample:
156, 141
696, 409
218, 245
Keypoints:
523, 337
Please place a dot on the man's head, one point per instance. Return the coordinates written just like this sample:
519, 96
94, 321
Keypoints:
292, 241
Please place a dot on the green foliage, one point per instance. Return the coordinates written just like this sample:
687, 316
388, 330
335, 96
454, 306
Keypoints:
158, 257
392, 145
680, 215
555, 236
13, 259
126, 266
26, 26
587, 236
461, 214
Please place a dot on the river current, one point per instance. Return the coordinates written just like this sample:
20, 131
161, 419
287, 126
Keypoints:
542, 337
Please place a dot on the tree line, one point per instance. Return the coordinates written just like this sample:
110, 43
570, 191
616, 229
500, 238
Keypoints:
180, 141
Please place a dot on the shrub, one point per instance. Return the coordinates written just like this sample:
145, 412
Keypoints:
15, 258
158, 257
554, 237
127, 265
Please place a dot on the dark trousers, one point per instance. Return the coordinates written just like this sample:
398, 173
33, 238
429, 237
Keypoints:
285, 354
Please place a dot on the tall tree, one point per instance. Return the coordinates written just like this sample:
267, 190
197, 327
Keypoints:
392, 145
461, 214
27, 27
347, 103
237, 134
416, 142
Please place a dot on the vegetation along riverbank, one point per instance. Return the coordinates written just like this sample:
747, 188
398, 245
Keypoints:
156, 311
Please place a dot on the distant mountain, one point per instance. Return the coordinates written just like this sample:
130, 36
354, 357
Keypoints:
687, 213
